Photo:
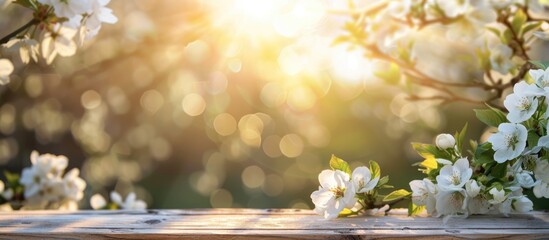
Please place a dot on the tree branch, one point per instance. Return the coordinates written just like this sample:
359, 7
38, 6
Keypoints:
19, 30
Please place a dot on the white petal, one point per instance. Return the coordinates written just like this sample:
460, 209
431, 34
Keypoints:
65, 47
140, 205
462, 164
97, 201
322, 197
130, 199
542, 35
6, 67
326, 179
417, 186
371, 184
116, 198
503, 155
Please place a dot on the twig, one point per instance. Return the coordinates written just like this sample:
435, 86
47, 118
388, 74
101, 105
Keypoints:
19, 30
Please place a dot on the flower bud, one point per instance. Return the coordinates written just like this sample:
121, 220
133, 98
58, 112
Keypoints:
445, 141
472, 188
498, 196
525, 180
522, 204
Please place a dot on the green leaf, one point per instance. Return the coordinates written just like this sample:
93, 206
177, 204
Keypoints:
391, 75
473, 144
518, 20
375, 170
12, 179
533, 138
396, 195
346, 212
460, 137
531, 26
414, 209
494, 30
484, 154
384, 180
540, 64
491, 117
507, 36
386, 186
499, 170
339, 164
429, 150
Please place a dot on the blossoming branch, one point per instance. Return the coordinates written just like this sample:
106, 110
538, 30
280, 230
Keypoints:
57, 28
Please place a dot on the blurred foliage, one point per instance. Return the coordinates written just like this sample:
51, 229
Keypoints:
215, 104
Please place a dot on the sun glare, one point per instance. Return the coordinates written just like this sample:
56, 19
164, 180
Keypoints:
258, 11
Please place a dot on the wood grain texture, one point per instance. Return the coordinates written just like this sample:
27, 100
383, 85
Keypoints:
264, 223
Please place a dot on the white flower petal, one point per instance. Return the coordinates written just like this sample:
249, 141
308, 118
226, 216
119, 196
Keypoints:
97, 201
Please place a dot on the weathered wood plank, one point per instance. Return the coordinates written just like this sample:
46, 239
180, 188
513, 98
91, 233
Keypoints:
254, 223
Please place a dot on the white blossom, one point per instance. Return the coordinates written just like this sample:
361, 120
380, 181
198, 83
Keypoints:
541, 77
451, 202
74, 185
504, 207
472, 188
131, 202
400, 9
26, 47
474, 16
454, 177
521, 107
68, 8
92, 24
541, 190
335, 193
509, 141
522, 204
46, 187
500, 58
7, 194
6, 68
478, 204
498, 196
60, 41
45, 169
97, 201
444, 161
445, 141
423, 194
525, 180
362, 180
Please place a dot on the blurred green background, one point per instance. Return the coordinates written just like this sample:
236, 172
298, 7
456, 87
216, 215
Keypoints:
197, 104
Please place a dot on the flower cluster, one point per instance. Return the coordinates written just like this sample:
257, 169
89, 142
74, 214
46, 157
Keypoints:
97, 202
512, 162
400, 35
45, 185
344, 193
57, 28
455, 187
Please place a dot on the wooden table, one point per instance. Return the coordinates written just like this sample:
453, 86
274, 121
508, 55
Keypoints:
255, 223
